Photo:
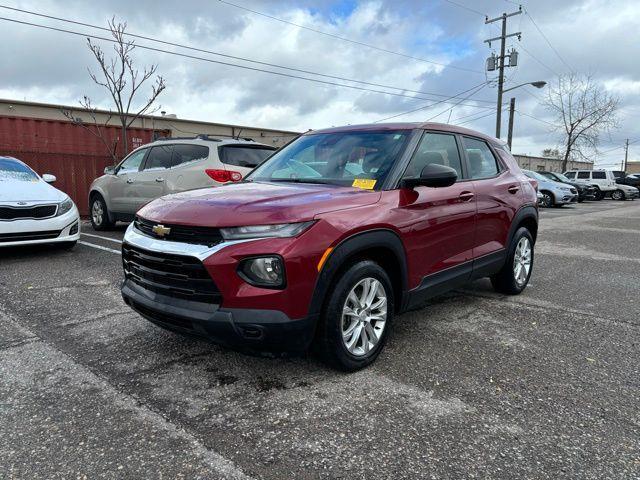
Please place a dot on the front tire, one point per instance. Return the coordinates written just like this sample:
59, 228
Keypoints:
599, 195
514, 276
99, 213
356, 319
68, 245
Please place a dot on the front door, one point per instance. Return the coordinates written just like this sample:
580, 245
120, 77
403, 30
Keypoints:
150, 182
438, 223
125, 176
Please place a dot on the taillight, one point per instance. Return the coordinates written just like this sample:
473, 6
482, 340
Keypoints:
223, 176
534, 184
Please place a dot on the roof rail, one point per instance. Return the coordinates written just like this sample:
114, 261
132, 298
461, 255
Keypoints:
205, 136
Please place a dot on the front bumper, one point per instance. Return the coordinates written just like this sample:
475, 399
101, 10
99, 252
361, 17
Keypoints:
563, 198
65, 228
258, 329
241, 315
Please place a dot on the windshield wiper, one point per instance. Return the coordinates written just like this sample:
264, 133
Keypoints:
302, 180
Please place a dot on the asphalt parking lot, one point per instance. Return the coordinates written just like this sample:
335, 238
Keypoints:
477, 385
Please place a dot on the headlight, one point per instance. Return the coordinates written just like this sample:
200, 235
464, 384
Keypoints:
265, 231
265, 271
64, 206
566, 189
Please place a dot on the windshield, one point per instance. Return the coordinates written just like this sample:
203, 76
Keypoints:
562, 178
359, 159
13, 170
535, 175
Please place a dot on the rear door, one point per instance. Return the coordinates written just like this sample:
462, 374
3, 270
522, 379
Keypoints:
125, 176
188, 168
149, 183
498, 196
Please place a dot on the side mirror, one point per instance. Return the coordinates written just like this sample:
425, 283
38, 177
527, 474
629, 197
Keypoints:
111, 170
432, 175
47, 177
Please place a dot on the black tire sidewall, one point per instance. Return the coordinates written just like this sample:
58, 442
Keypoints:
105, 215
337, 352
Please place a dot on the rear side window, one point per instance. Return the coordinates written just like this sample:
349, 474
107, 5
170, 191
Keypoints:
571, 175
244, 155
583, 175
159, 157
188, 153
482, 163
599, 175
435, 148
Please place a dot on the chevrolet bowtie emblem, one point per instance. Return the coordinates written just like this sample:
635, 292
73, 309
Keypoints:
161, 230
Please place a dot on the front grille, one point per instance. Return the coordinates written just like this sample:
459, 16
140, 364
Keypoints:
26, 236
180, 233
35, 212
177, 276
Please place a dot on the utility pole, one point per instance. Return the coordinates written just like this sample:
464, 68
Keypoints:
626, 155
512, 109
491, 62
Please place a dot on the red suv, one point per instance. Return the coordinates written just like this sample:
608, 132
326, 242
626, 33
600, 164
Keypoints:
331, 237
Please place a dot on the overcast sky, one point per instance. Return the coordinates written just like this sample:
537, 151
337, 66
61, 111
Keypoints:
599, 37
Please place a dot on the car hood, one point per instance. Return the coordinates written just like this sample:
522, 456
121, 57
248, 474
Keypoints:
13, 191
254, 203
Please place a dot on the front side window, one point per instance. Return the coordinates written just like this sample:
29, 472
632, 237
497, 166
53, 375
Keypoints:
482, 163
570, 174
13, 170
599, 175
132, 162
244, 155
356, 158
183, 153
159, 157
583, 175
435, 148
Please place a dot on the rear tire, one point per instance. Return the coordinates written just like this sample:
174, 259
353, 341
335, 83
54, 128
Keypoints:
547, 199
99, 213
512, 280
617, 195
354, 326
67, 245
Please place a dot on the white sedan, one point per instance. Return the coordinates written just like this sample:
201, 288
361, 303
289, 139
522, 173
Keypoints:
31, 210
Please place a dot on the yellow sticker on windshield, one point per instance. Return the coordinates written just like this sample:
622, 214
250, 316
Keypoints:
366, 183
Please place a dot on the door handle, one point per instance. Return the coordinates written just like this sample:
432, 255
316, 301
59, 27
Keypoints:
466, 196
129, 180
513, 189
159, 179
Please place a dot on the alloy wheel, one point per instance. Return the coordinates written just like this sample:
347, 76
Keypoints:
97, 212
546, 200
617, 195
522, 261
364, 316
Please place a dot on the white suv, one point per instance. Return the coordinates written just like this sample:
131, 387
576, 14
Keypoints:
603, 180
166, 166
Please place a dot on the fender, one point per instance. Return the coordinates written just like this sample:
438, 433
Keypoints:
96, 189
526, 211
349, 247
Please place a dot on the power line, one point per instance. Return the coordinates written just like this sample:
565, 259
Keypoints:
540, 61
245, 67
466, 7
526, 12
349, 40
450, 109
257, 62
475, 87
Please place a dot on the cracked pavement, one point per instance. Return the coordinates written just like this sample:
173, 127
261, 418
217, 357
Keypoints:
476, 385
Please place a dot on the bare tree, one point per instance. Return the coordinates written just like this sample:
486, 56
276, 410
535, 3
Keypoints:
583, 111
551, 153
95, 128
123, 81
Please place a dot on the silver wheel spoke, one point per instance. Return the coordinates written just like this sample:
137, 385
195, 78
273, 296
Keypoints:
364, 316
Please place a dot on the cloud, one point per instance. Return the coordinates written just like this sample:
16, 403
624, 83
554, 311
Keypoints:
52, 67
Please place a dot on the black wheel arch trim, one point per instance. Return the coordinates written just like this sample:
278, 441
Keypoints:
351, 246
525, 212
